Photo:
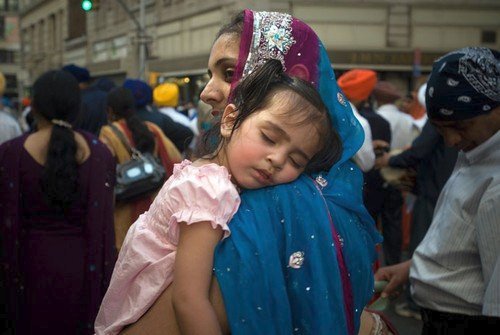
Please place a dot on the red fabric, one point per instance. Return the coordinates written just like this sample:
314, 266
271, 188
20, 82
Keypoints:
406, 226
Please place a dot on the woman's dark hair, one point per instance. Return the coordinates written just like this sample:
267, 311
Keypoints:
256, 91
235, 26
56, 96
122, 102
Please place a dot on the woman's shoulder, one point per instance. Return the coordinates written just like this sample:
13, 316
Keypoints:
97, 148
154, 129
14, 142
151, 125
91, 139
11, 148
121, 125
108, 135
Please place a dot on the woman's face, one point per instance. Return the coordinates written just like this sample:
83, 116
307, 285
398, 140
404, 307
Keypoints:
221, 66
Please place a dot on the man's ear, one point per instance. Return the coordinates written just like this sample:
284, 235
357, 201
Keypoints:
227, 120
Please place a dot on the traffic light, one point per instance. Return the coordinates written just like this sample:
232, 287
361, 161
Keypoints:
88, 5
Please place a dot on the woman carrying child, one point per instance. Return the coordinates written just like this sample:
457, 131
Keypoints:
276, 128
300, 255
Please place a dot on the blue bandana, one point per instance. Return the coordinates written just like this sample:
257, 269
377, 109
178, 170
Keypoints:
464, 84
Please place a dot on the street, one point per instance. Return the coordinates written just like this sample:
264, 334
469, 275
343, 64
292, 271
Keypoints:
405, 326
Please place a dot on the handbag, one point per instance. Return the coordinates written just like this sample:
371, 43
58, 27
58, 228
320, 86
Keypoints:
138, 176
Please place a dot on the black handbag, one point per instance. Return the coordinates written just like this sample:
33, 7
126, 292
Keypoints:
142, 174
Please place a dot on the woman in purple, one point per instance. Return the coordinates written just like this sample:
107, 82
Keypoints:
56, 212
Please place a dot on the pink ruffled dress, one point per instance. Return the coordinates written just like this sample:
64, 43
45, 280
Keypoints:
146, 261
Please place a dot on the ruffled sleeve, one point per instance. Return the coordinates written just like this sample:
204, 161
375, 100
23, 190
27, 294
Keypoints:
201, 194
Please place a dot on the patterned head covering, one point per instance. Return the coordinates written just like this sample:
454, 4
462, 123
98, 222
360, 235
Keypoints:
272, 35
464, 84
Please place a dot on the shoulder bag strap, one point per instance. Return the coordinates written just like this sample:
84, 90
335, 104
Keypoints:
131, 150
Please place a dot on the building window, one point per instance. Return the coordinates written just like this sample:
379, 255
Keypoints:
14, 5
488, 36
9, 5
2, 27
100, 50
11, 81
7, 56
119, 47
77, 22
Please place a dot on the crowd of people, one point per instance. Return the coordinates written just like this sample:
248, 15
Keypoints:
284, 201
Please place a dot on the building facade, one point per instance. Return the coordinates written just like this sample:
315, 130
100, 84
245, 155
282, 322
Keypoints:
398, 38
10, 46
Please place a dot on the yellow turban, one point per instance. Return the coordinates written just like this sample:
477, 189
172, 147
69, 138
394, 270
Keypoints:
166, 95
2, 84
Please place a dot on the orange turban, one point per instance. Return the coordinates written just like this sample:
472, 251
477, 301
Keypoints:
357, 84
25, 102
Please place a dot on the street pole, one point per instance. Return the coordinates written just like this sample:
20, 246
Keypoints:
141, 34
142, 40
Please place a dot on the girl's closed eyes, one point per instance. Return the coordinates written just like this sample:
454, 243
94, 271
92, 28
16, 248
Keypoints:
267, 138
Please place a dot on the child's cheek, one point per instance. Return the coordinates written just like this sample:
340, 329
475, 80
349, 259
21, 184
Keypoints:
287, 175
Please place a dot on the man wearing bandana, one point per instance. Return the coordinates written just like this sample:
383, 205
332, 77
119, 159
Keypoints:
455, 271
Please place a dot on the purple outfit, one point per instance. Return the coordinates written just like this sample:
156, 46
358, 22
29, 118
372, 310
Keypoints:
55, 265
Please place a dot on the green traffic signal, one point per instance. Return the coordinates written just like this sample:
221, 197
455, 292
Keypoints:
87, 5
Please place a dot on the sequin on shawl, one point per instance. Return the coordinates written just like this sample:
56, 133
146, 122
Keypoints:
296, 260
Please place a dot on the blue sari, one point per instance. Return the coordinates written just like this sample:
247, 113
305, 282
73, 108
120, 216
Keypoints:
300, 255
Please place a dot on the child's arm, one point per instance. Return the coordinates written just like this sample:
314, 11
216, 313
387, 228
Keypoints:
192, 276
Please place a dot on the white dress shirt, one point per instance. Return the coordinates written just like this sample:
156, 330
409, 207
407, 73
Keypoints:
456, 268
365, 157
9, 127
401, 126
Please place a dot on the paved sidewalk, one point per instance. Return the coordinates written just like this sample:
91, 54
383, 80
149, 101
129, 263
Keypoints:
405, 326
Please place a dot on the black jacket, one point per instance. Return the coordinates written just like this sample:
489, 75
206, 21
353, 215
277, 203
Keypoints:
431, 158
179, 134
